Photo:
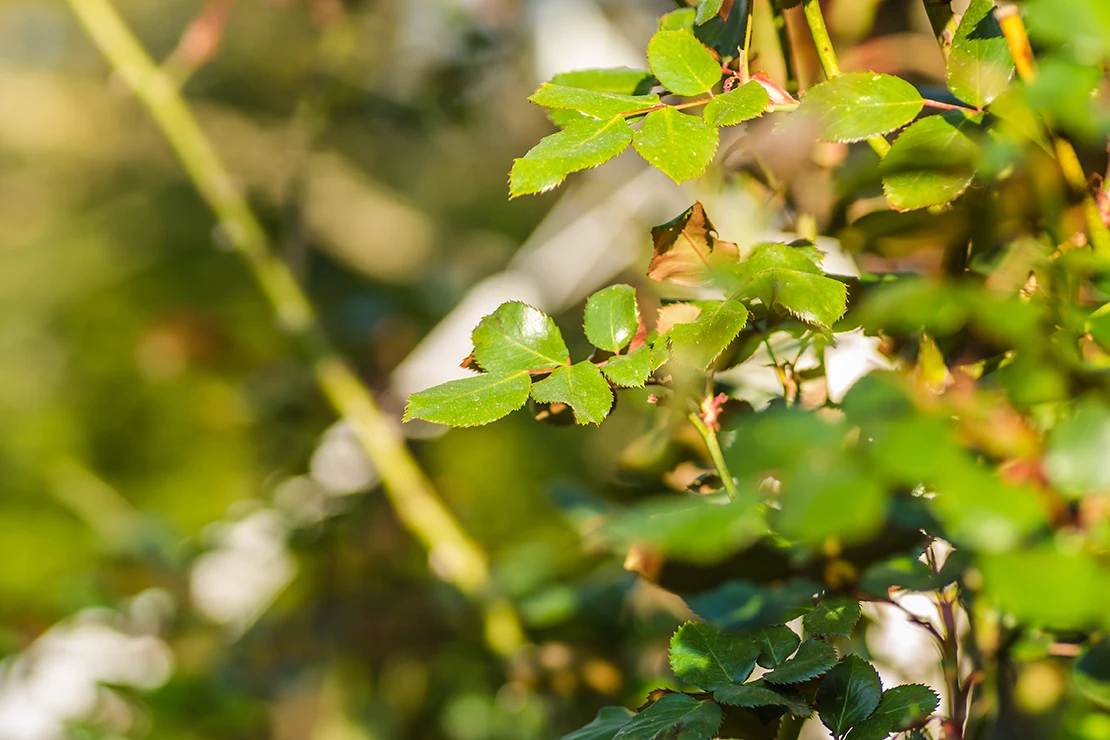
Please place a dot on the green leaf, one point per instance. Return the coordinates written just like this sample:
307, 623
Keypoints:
762, 694
612, 317
786, 277
742, 605
617, 80
856, 105
607, 723
679, 145
581, 145
1084, 25
681, 63
776, 645
631, 370
470, 401
812, 659
699, 343
835, 616
689, 528
979, 63
1092, 674
580, 386
592, 103
736, 106
1077, 446
930, 164
703, 657
708, 9
900, 709
1046, 587
677, 20
674, 717
518, 338
686, 249
848, 694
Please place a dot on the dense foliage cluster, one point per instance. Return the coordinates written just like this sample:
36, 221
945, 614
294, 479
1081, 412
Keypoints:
974, 469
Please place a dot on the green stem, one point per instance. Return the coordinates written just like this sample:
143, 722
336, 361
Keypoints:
454, 555
714, 446
829, 63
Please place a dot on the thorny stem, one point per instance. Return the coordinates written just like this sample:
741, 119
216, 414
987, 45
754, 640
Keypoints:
1013, 29
709, 436
825, 52
456, 557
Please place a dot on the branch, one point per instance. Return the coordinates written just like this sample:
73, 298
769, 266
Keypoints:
714, 446
453, 554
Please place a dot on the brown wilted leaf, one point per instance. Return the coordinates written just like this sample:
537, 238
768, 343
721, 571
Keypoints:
686, 248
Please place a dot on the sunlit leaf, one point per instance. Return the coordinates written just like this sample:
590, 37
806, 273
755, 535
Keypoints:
833, 616
470, 401
856, 105
681, 63
762, 694
979, 62
592, 103
848, 694
518, 338
703, 657
581, 145
580, 386
617, 80
1046, 587
679, 145
699, 343
674, 717
686, 249
931, 163
612, 317
785, 277
708, 9
1076, 459
736, 106
813, 659
630, 370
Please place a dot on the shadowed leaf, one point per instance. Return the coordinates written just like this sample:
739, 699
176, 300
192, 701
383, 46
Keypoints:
848, 694
979, 63
762, 694
812, 659
607, 723
931, 163
674, 717
703, 657
835, 616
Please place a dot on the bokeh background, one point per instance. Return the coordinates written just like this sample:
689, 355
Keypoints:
191, 546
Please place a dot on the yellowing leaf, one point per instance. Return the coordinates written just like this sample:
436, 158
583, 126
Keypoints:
685, 249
